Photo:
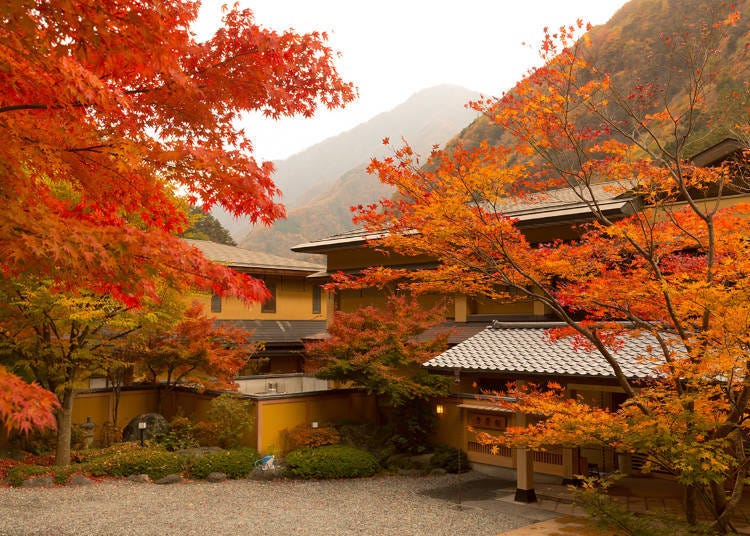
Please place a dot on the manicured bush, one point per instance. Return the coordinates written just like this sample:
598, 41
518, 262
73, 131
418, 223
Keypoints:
305, 436
232, 416
152, 461
236, 463
60, 475
447, 458
331, 461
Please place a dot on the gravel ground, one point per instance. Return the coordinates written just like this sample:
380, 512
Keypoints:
381, 505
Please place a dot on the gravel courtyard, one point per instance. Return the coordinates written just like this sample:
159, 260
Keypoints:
379, 506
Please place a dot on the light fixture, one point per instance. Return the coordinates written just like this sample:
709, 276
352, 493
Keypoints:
439, 409
141, 428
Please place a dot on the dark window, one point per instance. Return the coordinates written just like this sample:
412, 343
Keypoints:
316, 299
269, 306
215, 303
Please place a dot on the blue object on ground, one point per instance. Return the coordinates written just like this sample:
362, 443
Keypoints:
266, 463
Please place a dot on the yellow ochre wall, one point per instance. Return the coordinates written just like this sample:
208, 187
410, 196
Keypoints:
269, 418
279, 414
294, 301
99, 405
351, 300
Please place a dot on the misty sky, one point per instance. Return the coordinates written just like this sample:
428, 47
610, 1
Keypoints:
391, 49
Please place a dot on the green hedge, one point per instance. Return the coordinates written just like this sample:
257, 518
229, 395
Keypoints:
154, 462
331, 461
447, 457
236, 463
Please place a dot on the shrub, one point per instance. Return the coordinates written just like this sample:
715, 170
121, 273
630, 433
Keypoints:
366, 436
331, 461
155, 462
5, 466
205, 433
411, 426
232, 416
60, 475
447, 458
235, 463
35, 442
179, 435
305, 436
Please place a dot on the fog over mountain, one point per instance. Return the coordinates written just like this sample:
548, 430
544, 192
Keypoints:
322, 182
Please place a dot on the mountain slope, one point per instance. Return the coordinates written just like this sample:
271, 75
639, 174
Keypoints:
633, 48
330, 176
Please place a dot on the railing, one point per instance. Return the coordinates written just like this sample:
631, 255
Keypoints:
550, 458
481, 448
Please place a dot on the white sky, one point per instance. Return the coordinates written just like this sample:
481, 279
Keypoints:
391, 49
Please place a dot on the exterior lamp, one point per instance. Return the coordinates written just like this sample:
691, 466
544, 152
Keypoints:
440, 409
141, 428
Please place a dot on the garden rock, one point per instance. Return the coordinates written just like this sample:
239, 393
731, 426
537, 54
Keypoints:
38, 482
141, 479
216, 477
169, 479
155, 424
80, 480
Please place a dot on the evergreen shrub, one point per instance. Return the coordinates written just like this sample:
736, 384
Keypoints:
446, 457
235, 463
331, 461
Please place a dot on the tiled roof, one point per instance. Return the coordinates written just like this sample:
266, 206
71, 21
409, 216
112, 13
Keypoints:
458, 331
553, 205
526, 350
563, 197
279, 331
244, 258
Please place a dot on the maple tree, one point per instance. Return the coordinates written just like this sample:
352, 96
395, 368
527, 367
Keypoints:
382, 350
107, 109
190, 349
59, 340
675, 269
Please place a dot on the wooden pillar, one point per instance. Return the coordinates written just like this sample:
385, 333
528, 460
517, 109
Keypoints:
524, 469
460, 308
570, 466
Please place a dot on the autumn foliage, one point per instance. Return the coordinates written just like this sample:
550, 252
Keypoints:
24, 406
192, 351
108, 109
673, 265
382, 350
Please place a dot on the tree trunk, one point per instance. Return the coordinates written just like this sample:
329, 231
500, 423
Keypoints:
64, 417
691, 506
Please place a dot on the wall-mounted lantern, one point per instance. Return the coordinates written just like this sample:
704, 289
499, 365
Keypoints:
440, 409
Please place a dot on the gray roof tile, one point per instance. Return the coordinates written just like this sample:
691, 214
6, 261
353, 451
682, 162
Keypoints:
279, 331
527, 350
244, 258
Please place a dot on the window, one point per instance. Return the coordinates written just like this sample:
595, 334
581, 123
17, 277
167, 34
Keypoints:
316, 299
269, 306
215, 303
